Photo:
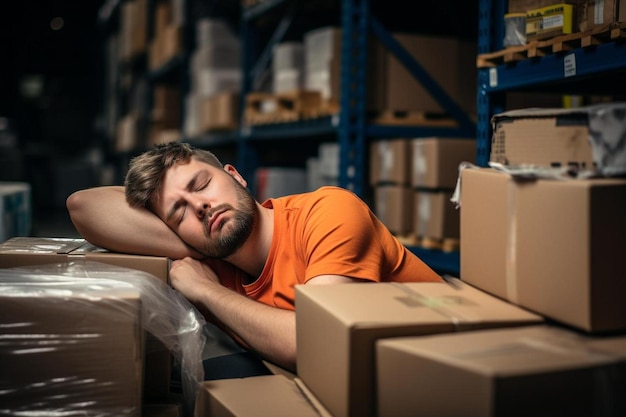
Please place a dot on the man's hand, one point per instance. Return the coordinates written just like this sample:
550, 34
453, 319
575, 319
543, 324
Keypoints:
270, 331
192, 278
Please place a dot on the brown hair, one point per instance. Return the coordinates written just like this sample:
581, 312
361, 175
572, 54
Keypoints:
146, 171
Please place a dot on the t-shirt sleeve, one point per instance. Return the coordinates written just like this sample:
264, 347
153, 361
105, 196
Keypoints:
341, 238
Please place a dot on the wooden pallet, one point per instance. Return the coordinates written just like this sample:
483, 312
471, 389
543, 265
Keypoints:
534, 49
267, 108
411, 118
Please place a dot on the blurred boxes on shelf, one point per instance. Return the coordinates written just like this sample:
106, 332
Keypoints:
555, 247
15, 210
272, 182
391, 86
436, 160
435, 217
288, 67
133, 29
213, 102
413, 181
341, 374
524, 371
394, 207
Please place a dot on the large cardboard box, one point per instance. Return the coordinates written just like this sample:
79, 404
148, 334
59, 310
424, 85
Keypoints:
270, 395
435, 216
435, 161
528, 371
390, 161
555, 247
394, 207
337, 326
587, 137
27, 251
527, 137
70, 347
455, 72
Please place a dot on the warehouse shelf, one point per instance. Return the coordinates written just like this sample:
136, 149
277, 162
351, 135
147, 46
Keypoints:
593, 70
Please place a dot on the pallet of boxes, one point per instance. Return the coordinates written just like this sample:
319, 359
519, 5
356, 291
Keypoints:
90, 332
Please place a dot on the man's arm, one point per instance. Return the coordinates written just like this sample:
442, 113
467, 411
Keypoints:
102, 216
269, 331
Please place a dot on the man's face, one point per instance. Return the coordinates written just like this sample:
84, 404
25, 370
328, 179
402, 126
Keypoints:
208, 207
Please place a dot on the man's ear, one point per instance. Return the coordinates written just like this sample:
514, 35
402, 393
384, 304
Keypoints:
230, 169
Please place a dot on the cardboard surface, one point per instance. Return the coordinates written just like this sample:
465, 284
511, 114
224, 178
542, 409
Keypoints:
394, 207
74, 349
27, 251
24, 251
435, 161
271, 395
337, 326
526, 371
554, 247
390, 162
435, 216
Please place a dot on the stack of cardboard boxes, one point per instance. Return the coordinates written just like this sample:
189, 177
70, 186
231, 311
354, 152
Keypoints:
80, 347
413, 182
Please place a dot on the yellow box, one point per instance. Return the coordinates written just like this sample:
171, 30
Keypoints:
549, 21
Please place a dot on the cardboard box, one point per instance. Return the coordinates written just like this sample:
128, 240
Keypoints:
541, 138
554, 247
550, 21
595, 13
70, 347
587, 137
532, 370
435, 217
270, 395
220, 112
435, 161
26, 251
394, 207
390, 162
337, 326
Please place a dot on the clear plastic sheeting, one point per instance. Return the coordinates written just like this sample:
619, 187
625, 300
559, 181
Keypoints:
71, 338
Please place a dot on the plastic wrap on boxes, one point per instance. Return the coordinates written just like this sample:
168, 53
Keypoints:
87, 296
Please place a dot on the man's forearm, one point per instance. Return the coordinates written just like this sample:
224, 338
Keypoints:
270, 331
102, 216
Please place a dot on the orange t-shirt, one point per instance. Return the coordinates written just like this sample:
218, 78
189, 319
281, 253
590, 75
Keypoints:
328, 231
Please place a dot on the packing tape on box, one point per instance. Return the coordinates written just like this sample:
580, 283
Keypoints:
438, 304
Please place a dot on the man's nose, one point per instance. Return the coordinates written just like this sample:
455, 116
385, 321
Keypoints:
201, 207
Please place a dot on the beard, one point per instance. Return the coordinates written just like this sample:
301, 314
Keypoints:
233, 233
